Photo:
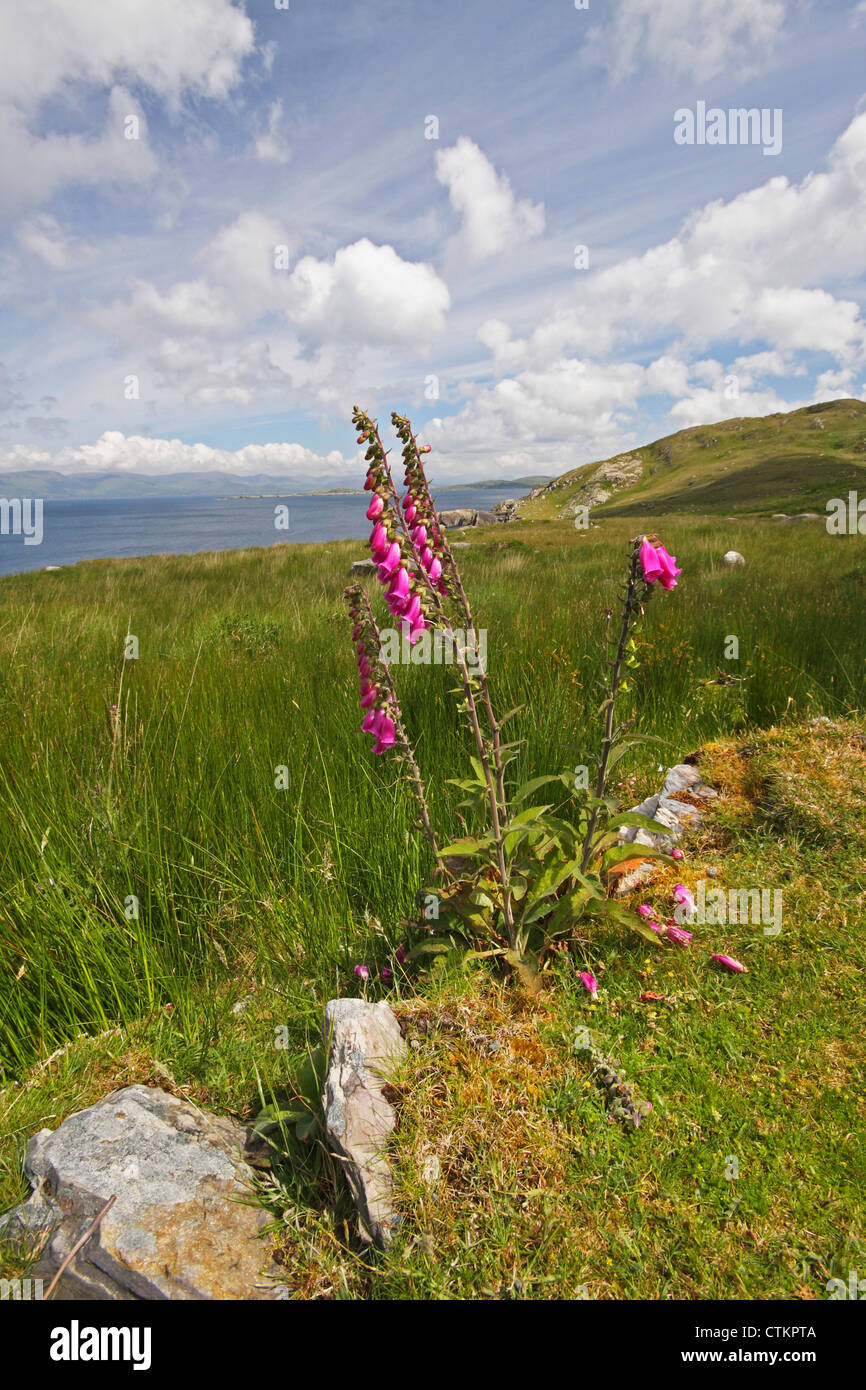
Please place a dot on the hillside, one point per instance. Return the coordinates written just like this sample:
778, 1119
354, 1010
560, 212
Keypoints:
789, 462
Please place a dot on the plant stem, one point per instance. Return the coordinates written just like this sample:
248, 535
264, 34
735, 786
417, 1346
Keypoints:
629, 606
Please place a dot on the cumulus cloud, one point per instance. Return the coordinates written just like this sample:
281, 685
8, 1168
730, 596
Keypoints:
55, 50
367, 294
117, 452
253, 323
494, 220
687, 38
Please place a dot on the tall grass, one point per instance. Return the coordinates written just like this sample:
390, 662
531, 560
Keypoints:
245, 665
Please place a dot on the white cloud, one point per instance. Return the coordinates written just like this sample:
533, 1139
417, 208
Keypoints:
494, 220
687, 38
198, 46
367, 294
116, 452
271, 144
62, 46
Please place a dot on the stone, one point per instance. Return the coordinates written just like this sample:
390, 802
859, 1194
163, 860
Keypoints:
676, 815
362, 567
365, 1046
733, 557
176, 1230
460, 516
460, 545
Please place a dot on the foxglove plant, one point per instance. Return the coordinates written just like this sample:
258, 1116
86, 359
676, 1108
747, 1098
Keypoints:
532, 875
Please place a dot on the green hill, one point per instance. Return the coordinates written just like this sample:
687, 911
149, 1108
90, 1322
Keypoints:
789, 462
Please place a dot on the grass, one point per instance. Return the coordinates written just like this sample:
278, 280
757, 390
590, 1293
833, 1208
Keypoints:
793, 461
246, 892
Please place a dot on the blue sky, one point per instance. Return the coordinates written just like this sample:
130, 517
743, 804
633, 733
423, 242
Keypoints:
281, 240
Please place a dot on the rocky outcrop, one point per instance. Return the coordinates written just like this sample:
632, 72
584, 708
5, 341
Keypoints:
678, 806
471, 516
176, 1229
365, 1046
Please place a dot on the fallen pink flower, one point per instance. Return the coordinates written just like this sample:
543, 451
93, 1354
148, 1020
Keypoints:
684, 897
730, 963
645, 910
590, 983
677, 935
677, 854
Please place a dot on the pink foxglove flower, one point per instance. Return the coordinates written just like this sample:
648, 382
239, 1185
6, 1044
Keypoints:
677, 935
391, 560
589, 982
668, 576
387, 974
363, 972
400, 954
650, 563
376, 508
435, 569
385, 735
684, 898
677, 854
645, 910
730, 963
379, 542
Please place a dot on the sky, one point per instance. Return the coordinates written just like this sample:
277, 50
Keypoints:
531, 225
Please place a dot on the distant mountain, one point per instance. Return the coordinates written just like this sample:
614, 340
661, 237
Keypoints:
791, 462
52, 486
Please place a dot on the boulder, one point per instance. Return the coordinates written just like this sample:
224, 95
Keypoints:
362, 567
677, 815
733, 557
365, 1046
460, 516
176, 1229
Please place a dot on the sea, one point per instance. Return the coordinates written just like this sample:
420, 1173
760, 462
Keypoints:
105, 528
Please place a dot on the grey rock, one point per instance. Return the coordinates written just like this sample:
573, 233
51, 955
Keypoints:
176, 1230
676, 816
362, 567
460, 516
365, 1046
460, 545
732, 557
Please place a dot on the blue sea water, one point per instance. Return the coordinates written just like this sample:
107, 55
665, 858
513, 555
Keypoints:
90, 529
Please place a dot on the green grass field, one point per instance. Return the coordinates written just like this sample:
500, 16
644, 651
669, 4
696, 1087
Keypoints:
247, 891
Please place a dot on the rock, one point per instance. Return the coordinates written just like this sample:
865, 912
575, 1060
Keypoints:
176, 1229
52, 567
460, 545
487, 518
733, 557
805, 516
677, 815
780, 516
365, 1046
362, 567
506, 510
461, 516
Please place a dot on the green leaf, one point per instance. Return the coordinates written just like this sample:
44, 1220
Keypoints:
633, 851
637, 818
529, 787
510, 715
467, 848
